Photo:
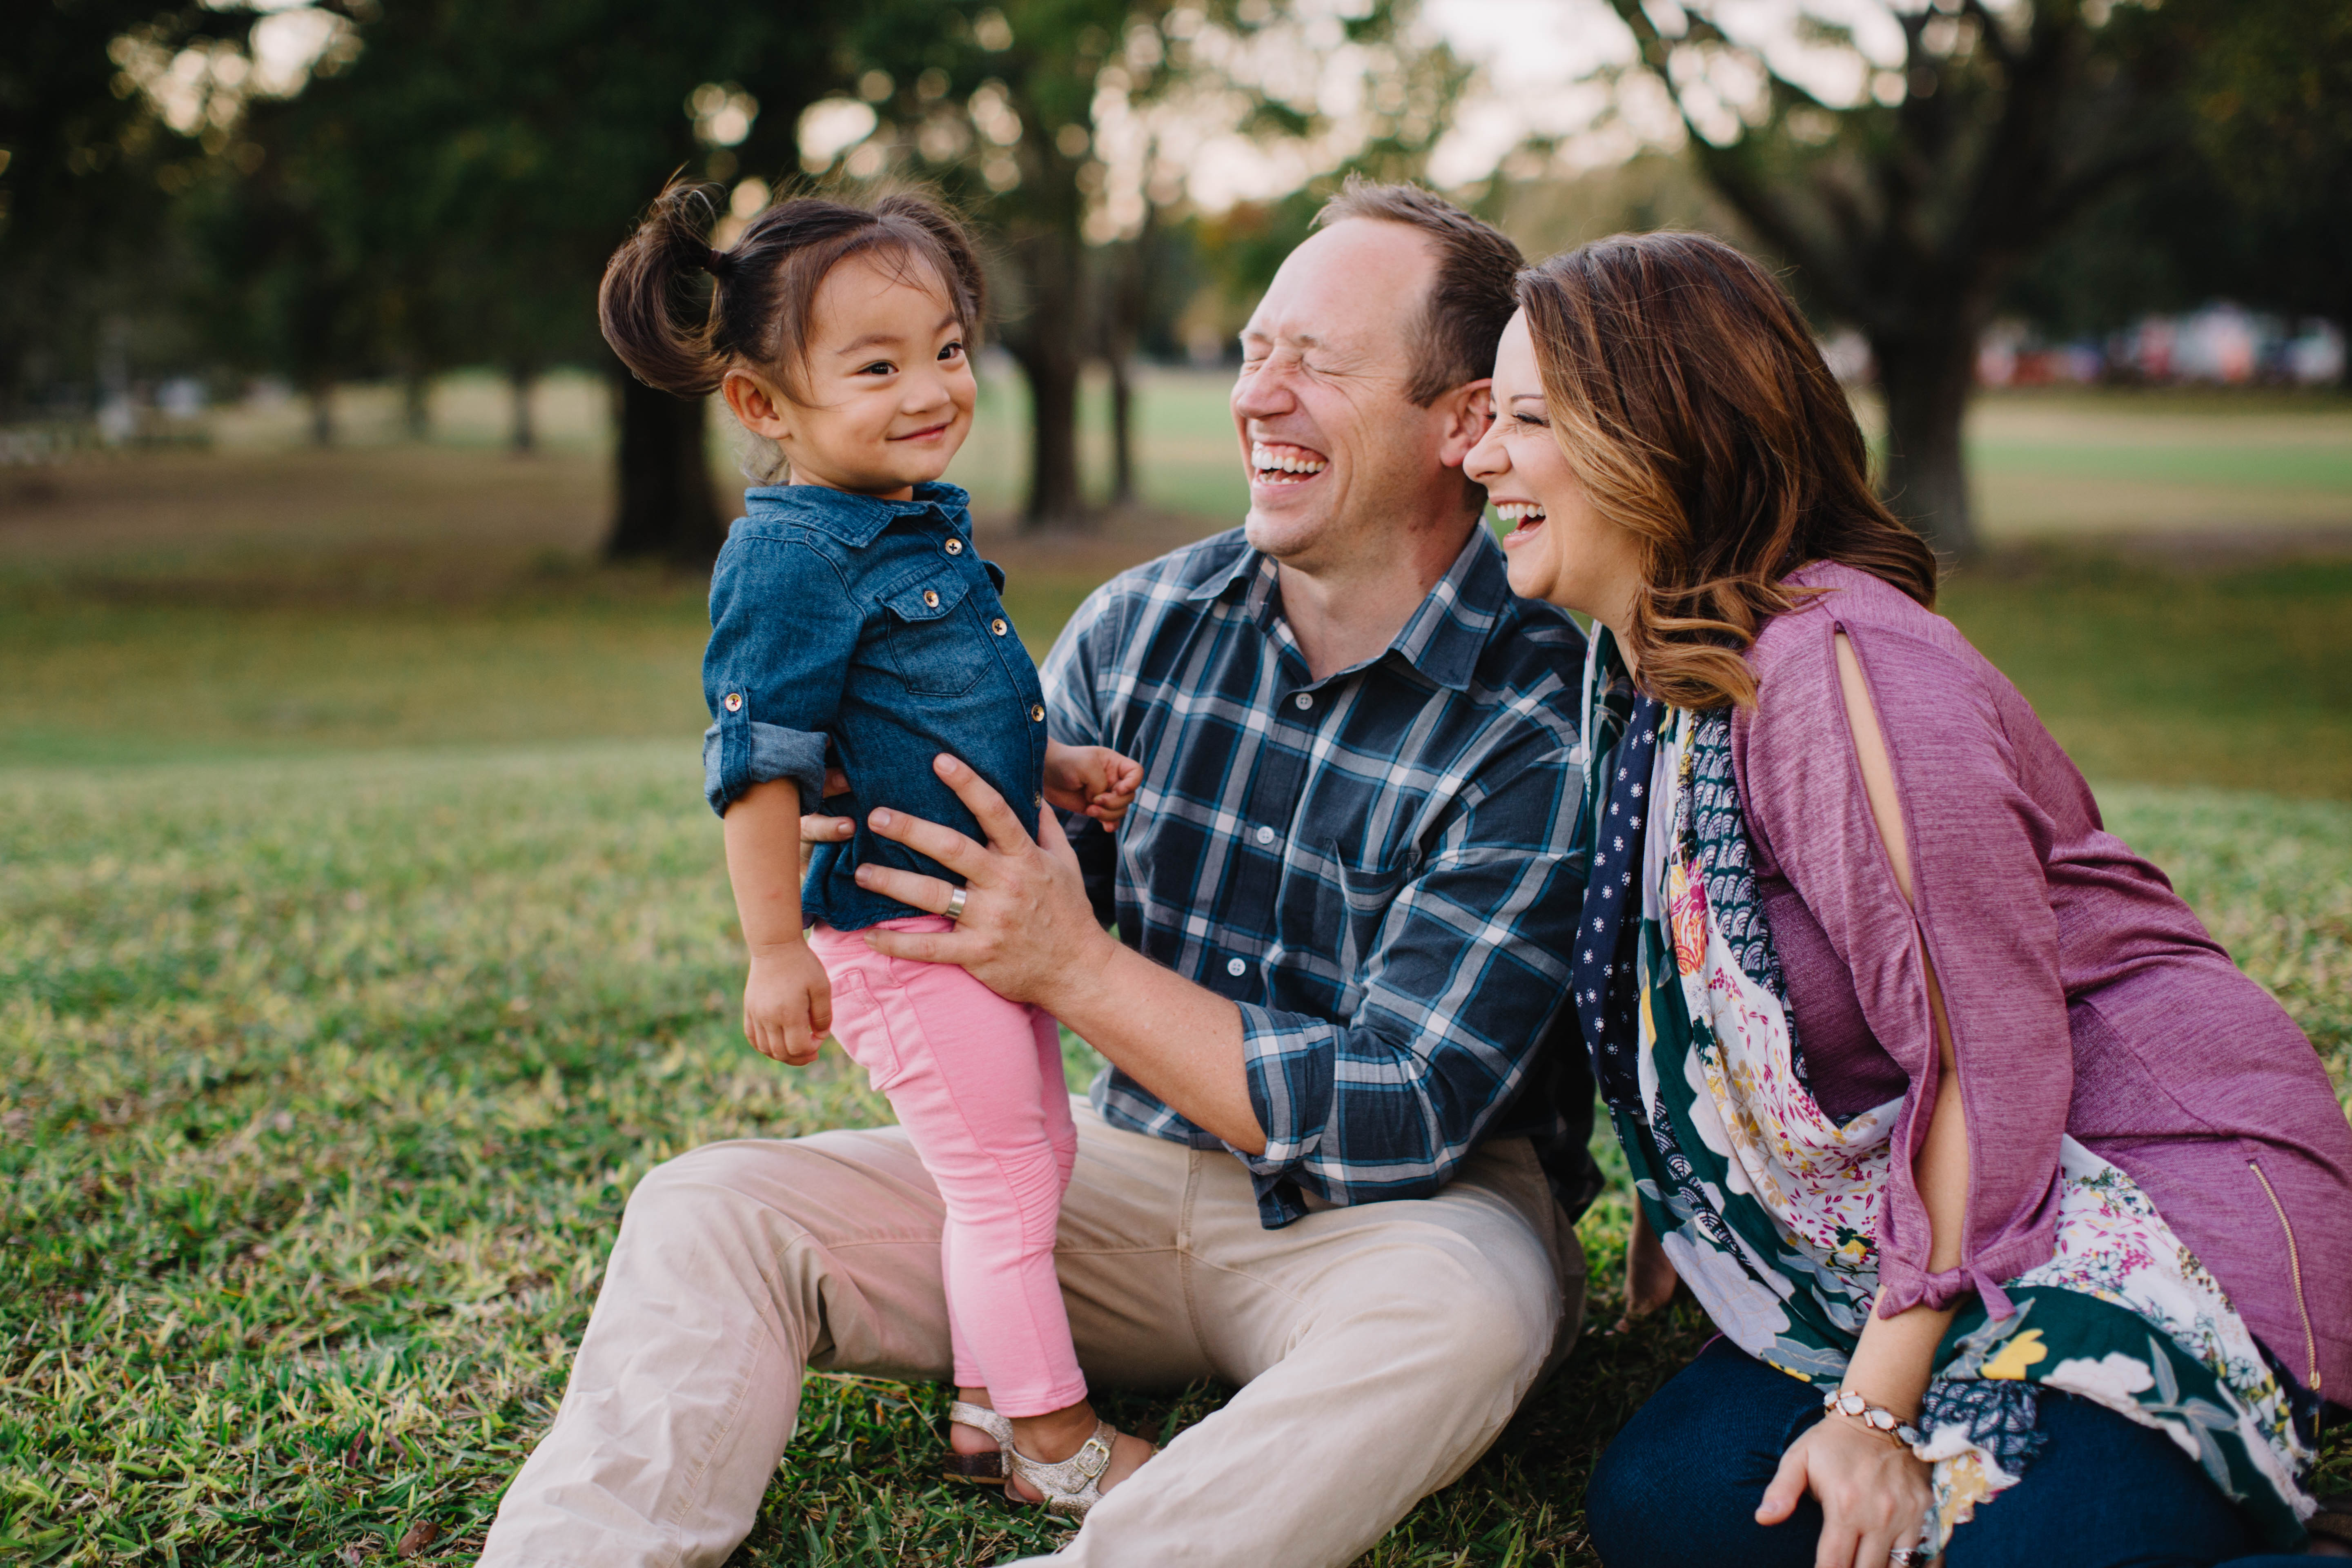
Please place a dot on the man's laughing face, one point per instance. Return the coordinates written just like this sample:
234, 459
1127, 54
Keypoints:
1334, 447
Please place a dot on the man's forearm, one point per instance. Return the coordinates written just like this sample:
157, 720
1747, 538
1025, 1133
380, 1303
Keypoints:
1179, 1041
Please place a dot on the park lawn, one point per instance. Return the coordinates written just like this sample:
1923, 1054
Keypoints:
323, 1080
363, 938
2239, 676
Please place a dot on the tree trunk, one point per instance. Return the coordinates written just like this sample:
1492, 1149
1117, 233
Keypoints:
524, 435
321, 394
417, 405
667, 508
1926, 380
1055, 497
1050, 343
1125, 303
1122, 432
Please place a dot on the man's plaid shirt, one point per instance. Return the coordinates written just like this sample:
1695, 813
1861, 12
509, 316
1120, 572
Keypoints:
1380, 867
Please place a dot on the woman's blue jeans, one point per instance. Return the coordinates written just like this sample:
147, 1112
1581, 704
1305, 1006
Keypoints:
1681, 1483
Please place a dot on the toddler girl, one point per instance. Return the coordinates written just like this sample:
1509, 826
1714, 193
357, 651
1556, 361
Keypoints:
853, 625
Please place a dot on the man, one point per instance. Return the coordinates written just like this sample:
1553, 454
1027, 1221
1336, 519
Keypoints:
1328, 1162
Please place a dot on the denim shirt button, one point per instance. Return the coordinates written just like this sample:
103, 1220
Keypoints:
1037, 712
955, 546
998, 627
930, 598
734, 703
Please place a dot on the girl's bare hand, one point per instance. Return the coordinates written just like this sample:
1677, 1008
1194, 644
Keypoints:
1873, 1493
1095, 780
787, 1003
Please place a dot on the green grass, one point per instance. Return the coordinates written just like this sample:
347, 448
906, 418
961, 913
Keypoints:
363, 939
90, 678
2239, 678
322, 1082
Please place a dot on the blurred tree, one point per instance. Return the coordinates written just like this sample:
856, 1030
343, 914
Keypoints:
450, 194
82, 230
998, 106
1008, 106
2271, 87
1907, 211
2259, 207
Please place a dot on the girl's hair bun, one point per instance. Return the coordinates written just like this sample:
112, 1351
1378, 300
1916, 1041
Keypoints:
645, 295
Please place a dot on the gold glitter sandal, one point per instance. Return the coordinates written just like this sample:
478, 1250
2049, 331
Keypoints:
978, 1469
1068, 1485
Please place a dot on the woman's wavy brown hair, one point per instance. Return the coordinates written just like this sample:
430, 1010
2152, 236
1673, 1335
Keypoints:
1692, 402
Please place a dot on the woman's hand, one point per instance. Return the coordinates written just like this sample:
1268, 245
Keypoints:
1874, 1492
787, 1003
1650, 1279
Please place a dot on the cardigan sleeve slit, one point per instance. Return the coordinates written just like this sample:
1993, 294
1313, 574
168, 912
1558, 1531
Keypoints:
1976, 915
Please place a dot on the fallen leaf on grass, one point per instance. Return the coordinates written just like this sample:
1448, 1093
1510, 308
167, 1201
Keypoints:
421, 1534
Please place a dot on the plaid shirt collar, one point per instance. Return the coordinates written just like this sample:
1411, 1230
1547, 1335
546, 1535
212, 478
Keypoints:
1442, 638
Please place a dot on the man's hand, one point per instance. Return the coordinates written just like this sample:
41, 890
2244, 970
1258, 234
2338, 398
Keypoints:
1027, 924
1873, 1493
787, 1003
1095, 780
1028, 933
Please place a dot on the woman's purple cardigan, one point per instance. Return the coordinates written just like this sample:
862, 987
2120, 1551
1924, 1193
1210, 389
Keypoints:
2085, 996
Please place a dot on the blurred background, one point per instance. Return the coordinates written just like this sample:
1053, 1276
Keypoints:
307, 437
362, 935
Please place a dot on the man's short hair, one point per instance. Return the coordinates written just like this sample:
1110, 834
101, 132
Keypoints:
1469, 303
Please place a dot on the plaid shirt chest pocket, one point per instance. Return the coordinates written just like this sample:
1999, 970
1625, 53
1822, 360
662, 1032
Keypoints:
1332, 914
1363, 901
933, 634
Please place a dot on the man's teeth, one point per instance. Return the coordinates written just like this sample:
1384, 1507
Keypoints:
1518, 512
1285, 459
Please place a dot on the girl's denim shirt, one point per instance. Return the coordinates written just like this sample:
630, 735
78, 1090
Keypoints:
869, 634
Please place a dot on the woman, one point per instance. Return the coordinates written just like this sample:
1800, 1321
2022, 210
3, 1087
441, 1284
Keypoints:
1946, 1109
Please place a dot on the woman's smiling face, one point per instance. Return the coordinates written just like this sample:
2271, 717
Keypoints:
1559, 549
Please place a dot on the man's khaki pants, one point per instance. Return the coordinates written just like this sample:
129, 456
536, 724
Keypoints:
1379, 1348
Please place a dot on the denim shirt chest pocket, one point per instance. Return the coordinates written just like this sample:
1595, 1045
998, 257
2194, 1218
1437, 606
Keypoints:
932, 630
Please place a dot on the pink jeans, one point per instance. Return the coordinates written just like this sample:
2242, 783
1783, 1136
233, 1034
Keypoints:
977, 1083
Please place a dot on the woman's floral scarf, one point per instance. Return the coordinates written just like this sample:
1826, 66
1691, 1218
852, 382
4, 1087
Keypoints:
1769, 1208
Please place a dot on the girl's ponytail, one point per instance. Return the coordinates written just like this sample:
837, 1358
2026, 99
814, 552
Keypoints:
645, 295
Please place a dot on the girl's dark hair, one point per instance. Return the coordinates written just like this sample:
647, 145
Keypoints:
765, 286
1692, 401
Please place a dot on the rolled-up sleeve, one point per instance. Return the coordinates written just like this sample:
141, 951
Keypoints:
1978, 842
782, 629
1468, 968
